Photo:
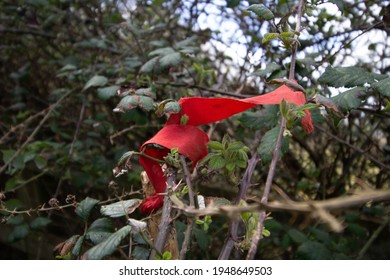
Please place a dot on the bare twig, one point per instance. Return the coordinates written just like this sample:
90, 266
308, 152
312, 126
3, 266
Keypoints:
275, 156
188, 233
374, 236
205, 89
20, 125
32, 135
360, 151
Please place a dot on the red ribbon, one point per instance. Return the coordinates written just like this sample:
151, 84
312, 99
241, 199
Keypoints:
192, 142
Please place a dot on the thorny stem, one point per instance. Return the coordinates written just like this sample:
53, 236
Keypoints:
188, 233
165, 225
275, 156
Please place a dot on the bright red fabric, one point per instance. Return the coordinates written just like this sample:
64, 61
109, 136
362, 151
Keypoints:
192, 142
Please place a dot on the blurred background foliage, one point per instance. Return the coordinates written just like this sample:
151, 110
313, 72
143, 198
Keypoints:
62, 62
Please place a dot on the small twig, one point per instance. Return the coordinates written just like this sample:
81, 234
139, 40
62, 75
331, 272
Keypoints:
119, 133
275, 155
205, 89
27, 181
360, 151
374, 236
350, 41
32, 135
20, 125
165, 225
188, 233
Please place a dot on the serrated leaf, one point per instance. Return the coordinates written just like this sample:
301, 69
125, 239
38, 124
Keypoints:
77, 246
348, 77
297, 236
217, 162
311, 250
321, 100
96, 81
171, 59
261, 11
108, 246
350, 99
150, 65
172, 107
85, 207
269, 36
235, 146
39, 223
140, 253
107, 92
264, 118
99, 230
127, 103
146, 92
120, 208
215, 145
383, 87
268, 143
101, 224
162, 51
146, 103
186, 42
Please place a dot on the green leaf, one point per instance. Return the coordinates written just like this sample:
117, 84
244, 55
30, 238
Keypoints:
172, 107
146, 92
348, 77
150, 65
140, 253
268, 143
40, 162
101, 224
230, 166
19, 232
120, 208
169, 60
311, 250
146, 103
130, 102
235, 146
77, 247
202, 238
261, 11
269, 36
297, 236
383, 87
108, 246
215, 145
107, 92
264, 118
162, 51
39, 223
349, 99
96, 81
217, 162
85, 207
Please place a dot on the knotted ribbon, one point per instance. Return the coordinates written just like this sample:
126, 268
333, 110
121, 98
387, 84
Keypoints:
192, 141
